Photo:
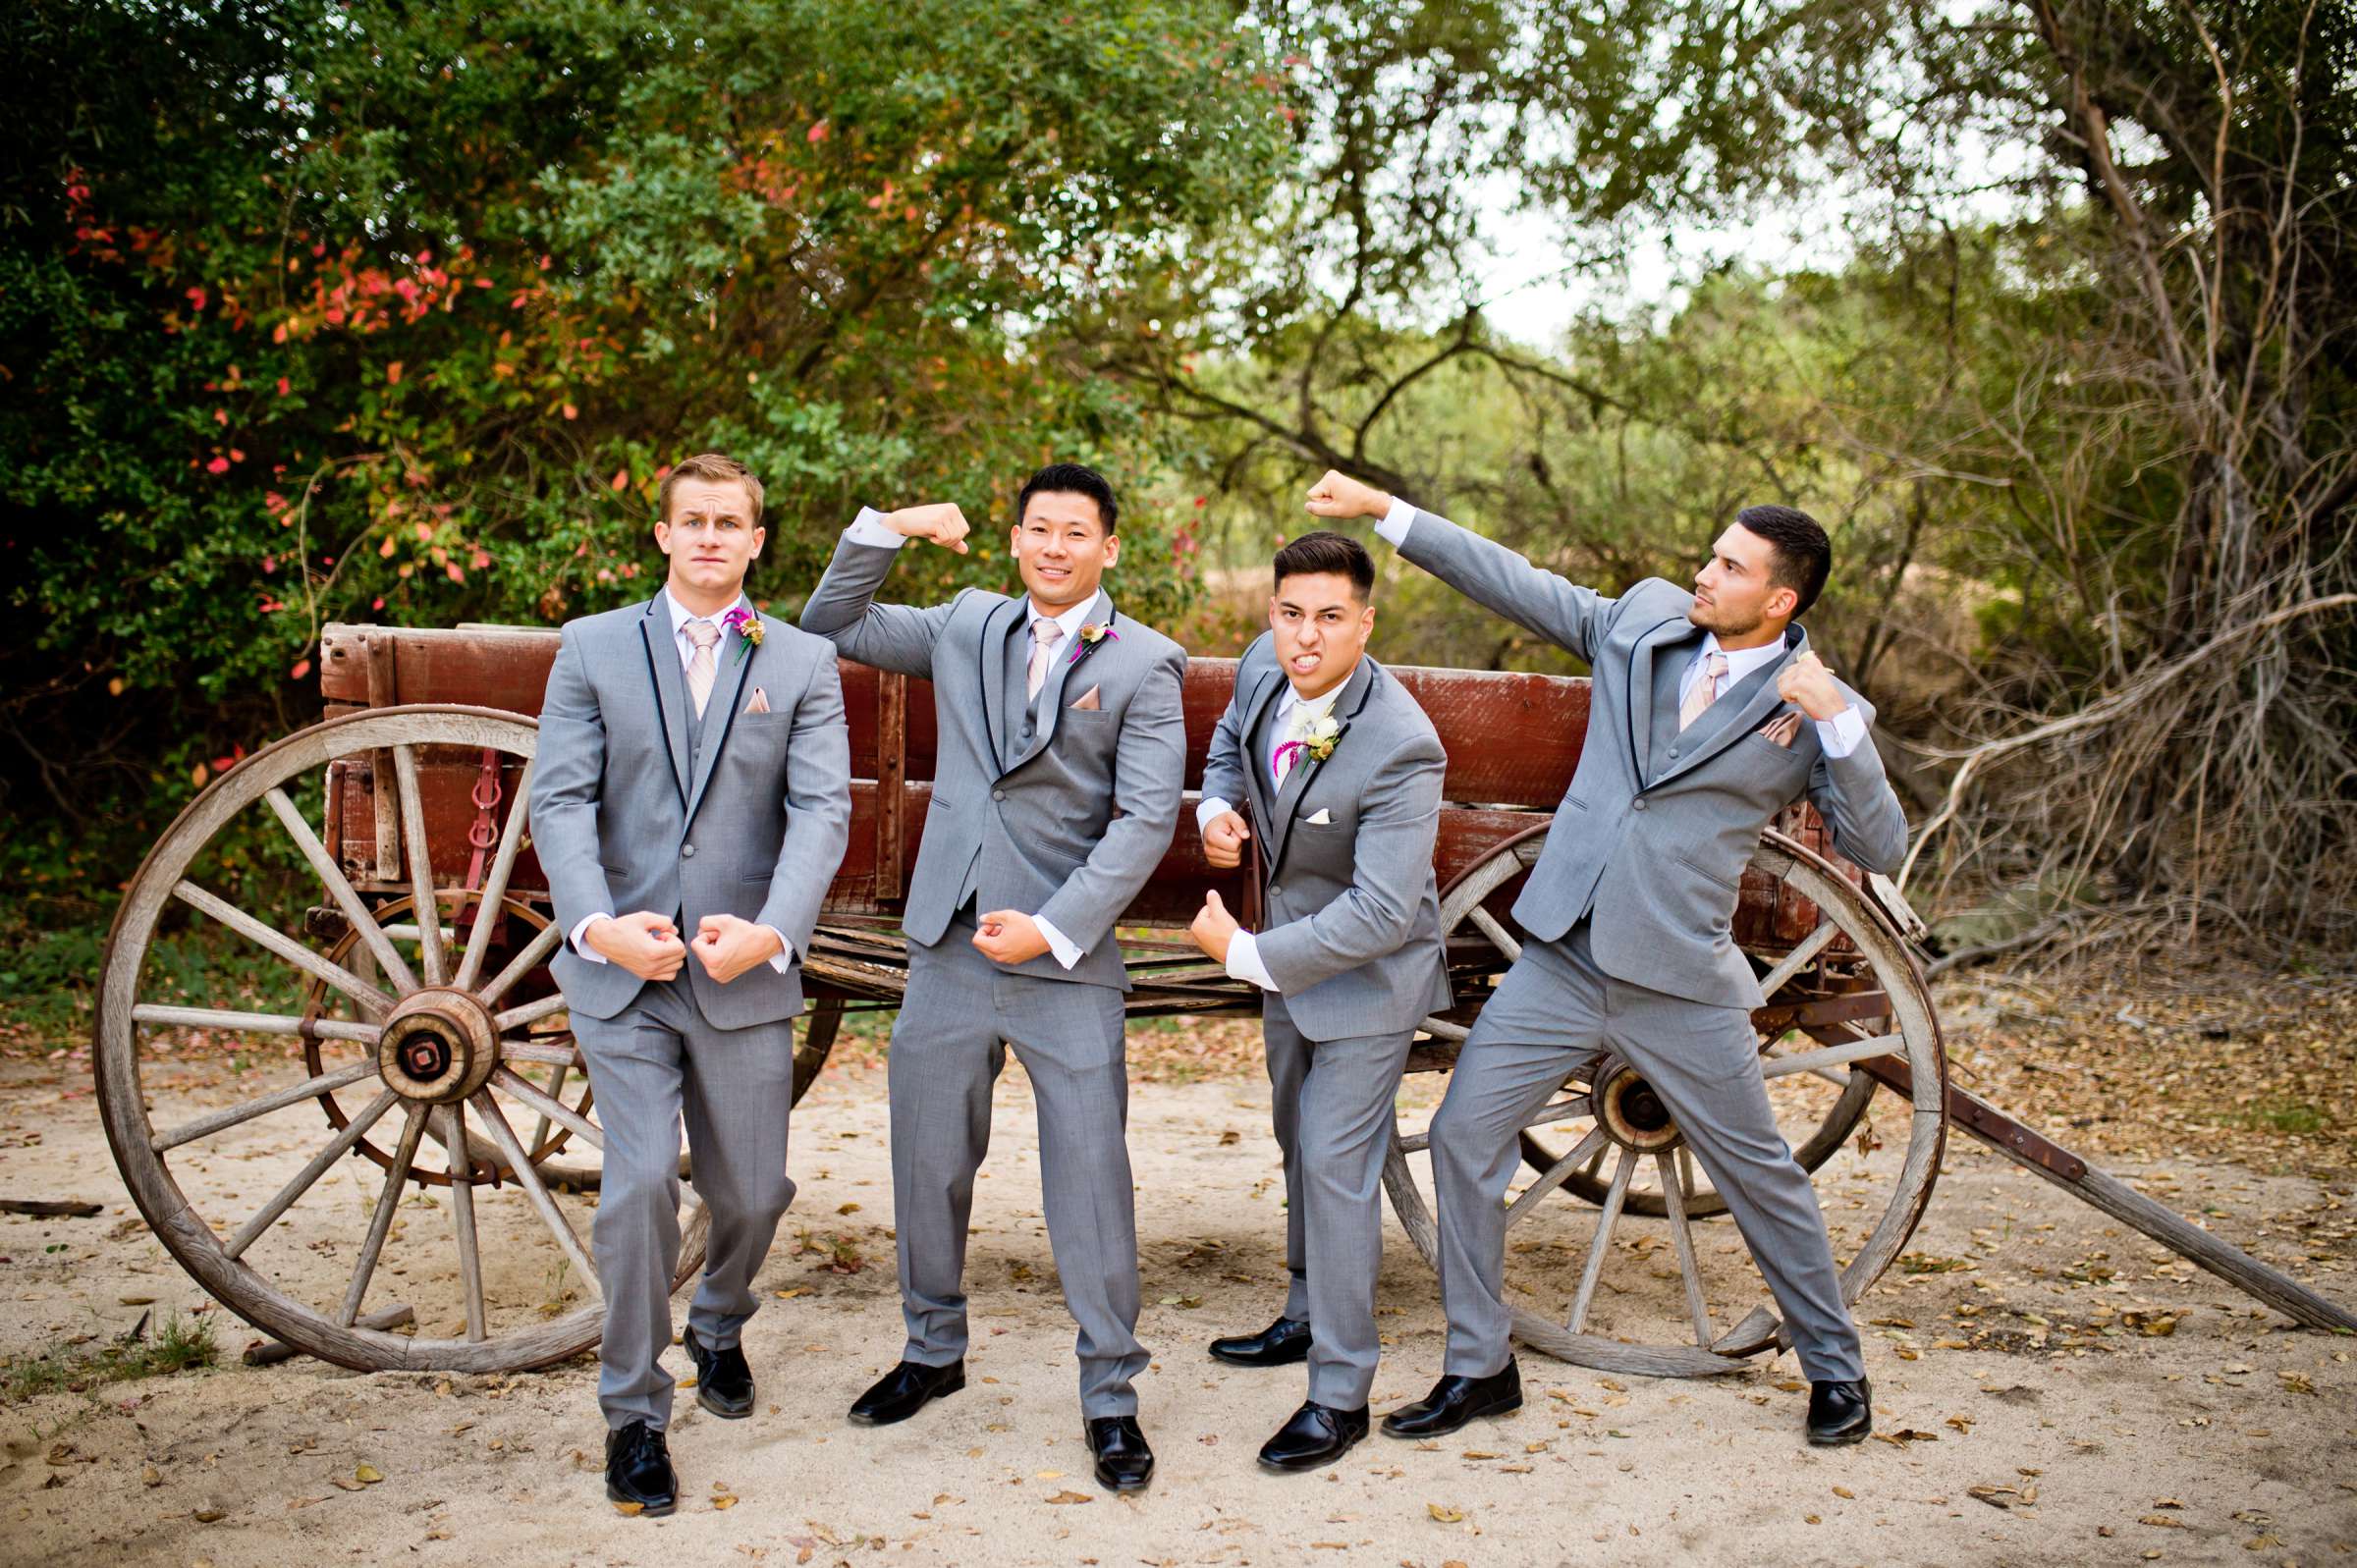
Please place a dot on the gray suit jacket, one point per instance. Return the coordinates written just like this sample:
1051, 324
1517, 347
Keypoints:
1068, 823
1655, 832
1353, 932
628, 813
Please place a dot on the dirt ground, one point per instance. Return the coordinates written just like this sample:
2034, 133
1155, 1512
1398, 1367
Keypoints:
2049, 1387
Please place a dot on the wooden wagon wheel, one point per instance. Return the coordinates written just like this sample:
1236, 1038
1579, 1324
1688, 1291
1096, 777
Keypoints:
1830, 981
433, 1036
1627, 1127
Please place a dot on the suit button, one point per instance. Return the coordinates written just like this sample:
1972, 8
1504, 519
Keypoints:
686, 852
1026, 726
1673, 751
1275, 892
997, 795
1638, 803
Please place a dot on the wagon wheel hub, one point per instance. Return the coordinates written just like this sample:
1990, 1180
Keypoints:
439, 1046
1631, 1114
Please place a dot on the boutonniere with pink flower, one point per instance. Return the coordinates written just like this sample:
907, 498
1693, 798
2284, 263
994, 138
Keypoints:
747, 625
1314, 740
1091, 634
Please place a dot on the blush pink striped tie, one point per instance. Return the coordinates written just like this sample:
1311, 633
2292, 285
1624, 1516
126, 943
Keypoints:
1705, 692
702, 666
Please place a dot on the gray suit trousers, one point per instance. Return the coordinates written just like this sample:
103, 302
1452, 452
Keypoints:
961, 1014
1333, 1112
652, 1064
1555, 1013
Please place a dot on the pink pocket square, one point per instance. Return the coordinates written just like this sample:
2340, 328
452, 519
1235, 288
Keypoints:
760, 702
1781, 728
1089, 702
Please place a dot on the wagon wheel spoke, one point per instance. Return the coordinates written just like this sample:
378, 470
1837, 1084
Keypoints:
544, 1202
535, 1051
1567, 1110
338, 887
527, 1094
1492, 928
284, 1199
530, 1013
1606, 1219
1589, 1148
461, 1220
421, 872
495, 884
536, 953
367, 997
1799, 957
1835, 1056
556, 1091
1675, 1175
252, 1023
380, 1224
237, 1115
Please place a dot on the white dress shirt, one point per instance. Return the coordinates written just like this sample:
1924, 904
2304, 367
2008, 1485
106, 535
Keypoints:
1293, 711
680, 620
1840, 735
869, 529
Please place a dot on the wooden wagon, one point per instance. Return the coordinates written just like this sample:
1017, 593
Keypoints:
410, 794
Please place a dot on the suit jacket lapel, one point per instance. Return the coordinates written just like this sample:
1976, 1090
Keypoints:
1640, 689
671, 687
1051, 691
1288, 799
1257, 709
720, 710
1737, 714
993, 655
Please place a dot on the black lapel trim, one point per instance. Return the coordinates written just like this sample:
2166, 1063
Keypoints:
655, 680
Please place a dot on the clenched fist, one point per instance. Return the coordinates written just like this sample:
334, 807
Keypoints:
1343, 498
1214, 929
941, 522
644, 943
728, 947
1223, 840
1808, 685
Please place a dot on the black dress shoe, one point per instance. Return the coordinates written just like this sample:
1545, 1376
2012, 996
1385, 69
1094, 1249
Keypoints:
1453, 1402
1280, 1344
1840, 1412
1318, 1434
1123, 1461
902, 1391
639, 1469
723, 1383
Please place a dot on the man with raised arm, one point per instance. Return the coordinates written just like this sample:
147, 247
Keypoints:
1062, 750
1341, 772
690, 801
1708, 714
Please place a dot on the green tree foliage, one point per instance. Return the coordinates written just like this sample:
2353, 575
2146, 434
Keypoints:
352, 309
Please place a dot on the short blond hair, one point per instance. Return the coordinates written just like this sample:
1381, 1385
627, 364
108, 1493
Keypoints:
716, 467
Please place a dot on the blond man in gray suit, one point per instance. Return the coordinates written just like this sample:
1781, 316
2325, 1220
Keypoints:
691, 802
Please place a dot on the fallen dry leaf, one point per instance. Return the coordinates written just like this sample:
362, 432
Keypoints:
1445, 1516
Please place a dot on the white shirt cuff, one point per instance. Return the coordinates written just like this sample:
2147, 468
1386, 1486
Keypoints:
1210, 811
785, 954
1244, 961
869, 529
1842, 734
582, 930
1394, 523
1058, 942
